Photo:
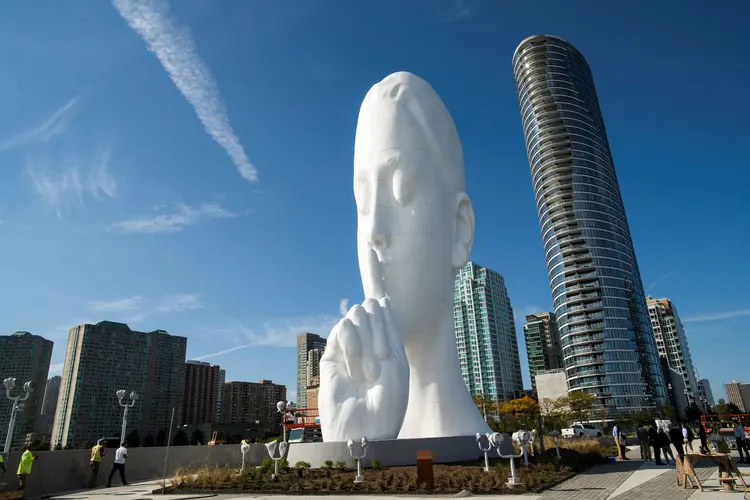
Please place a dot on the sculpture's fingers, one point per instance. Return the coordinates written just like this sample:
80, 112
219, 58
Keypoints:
333, 346
361, 319
351, 348
379, 331
376, 276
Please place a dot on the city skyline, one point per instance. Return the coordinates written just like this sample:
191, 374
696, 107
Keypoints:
107, 155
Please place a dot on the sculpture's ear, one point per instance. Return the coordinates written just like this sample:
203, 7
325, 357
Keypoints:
463, 238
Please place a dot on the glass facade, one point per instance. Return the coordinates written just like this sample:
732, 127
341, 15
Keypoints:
542, 344
486, 334
607, 340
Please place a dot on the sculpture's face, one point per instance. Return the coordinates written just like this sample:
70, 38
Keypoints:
407, 216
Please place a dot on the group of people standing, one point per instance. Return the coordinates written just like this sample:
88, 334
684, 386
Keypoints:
661, 441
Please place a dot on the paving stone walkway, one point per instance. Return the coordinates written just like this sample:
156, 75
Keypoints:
597, 483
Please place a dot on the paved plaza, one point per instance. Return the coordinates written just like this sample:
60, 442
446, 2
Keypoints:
628, 480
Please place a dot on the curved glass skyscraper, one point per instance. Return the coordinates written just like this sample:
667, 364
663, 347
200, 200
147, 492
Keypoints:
608, 344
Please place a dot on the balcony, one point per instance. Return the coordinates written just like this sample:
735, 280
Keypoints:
582, 286
599, 349
583, 339
587, 373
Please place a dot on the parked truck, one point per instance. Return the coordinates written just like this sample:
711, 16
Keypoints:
581, 430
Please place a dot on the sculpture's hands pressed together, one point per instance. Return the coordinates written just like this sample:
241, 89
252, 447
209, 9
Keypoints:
364, 375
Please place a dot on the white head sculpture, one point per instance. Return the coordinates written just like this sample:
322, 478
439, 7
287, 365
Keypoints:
391, 365
412, 206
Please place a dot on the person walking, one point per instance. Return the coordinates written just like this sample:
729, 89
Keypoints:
676, 436
653, 439
616, 438
642, 434
97, 452
119, 464
688, 436
664, 443
739, 438
24, 467
704, 439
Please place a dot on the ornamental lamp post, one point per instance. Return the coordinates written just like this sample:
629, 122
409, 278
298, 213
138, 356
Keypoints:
283, 407
18, 404
121, 395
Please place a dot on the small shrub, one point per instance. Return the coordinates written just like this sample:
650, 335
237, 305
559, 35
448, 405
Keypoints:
340, 464
302, 465
355, 462
375, 463
283, 463
328, 464
266, 464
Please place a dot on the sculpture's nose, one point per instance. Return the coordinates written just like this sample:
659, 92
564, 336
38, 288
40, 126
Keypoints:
379, 237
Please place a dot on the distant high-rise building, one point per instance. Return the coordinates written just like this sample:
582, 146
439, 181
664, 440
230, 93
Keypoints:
313, 382
542, 344
201, 398
219, 385
103, 358
49, 405
486, 334
672, 344
705, 394
306, 342
739, 394
597, 293
251, 402
26, 358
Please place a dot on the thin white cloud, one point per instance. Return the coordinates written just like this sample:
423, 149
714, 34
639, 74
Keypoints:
127, 304
175, 222
136, 309
173, 45
62, 188
456, 11
272, 334
53, 125
179, 303
661, 279
718, 316
344, 306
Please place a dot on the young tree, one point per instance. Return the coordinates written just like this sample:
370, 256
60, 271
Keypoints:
197, 437
580, 405
180, 439
133, 439
484, 404
161, 438
524, 409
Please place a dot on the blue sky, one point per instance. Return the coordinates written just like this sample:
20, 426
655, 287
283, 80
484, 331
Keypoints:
189, 167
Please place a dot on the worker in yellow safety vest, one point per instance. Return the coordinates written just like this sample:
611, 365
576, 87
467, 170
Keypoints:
2, 465
97, 452
24, 467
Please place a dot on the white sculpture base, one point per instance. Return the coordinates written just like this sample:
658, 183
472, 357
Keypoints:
392, 452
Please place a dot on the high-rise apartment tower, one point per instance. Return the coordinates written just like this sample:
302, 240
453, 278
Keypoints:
103, 358
49, 405
542, 344
608, 344
253, 402
739, 394
486, 334
306, 342
201, 398
26, 358
672, 344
